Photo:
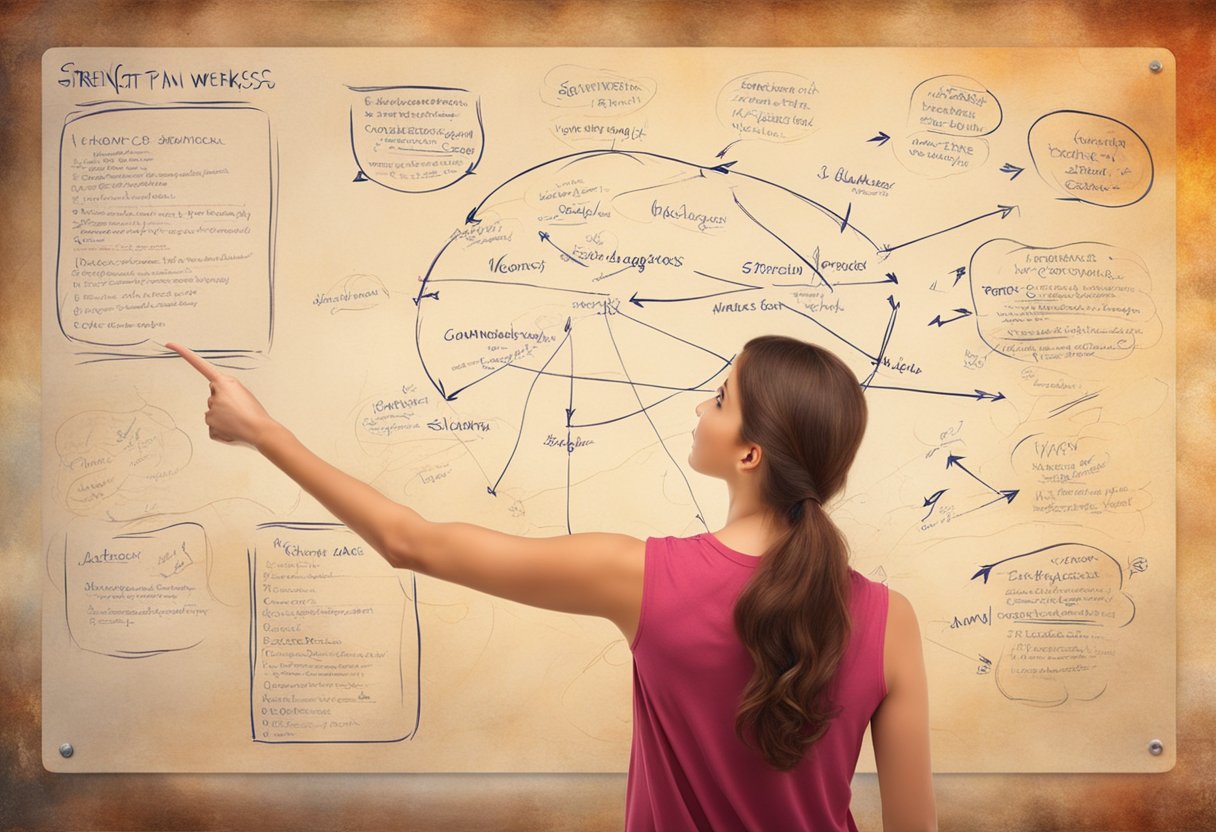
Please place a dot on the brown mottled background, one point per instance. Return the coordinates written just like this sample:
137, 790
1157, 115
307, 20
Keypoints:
1183, 799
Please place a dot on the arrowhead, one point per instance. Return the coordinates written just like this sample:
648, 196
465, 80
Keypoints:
934, 497
472, 170
984, 570
634, 300
359, 177
570, 415
1006, 209
1010, 494
724, 167
965, 312
891, 300
951, 459
490, 490
471, 219
891, 278
937, 319
544, 235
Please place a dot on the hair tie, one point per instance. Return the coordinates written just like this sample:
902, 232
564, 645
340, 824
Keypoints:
796, 510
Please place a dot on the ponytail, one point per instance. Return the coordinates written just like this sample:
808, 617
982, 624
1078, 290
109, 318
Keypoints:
805, 409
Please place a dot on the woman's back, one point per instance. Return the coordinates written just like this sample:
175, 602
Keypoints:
688, 769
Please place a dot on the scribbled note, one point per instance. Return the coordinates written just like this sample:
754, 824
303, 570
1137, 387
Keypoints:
770, 106
1091, 158
1059, 612
334, 637
111, 460
948, 116
601, 106
1078, 302
137, 594
415, 139
166, 227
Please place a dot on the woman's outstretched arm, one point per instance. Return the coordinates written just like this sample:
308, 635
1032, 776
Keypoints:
587, 573
900, 727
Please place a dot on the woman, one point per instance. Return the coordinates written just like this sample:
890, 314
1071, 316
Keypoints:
759, 655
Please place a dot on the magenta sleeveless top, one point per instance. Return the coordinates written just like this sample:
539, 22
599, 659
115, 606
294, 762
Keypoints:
687, 769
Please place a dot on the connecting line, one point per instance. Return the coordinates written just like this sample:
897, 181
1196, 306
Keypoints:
784, 305
669, 335
569, 415
644, 408
493, 489
776, 237
700, 514
886, 339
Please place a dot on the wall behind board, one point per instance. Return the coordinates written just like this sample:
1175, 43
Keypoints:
39, 800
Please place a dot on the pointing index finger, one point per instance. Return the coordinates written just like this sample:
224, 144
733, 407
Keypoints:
196, 361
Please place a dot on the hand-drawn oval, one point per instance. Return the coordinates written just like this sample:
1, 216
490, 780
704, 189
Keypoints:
415, 140
600, 91
353, 293
1091, 158
773, 106
954, 105
1082, 301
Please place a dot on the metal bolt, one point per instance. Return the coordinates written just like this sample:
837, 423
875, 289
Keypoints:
1155, 66
66, 750
1156, 747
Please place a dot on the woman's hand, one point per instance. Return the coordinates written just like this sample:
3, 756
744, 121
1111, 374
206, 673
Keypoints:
234, 415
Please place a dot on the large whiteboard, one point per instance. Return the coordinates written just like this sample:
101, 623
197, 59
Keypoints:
495, 282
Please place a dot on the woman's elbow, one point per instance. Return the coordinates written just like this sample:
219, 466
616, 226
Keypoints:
405, 544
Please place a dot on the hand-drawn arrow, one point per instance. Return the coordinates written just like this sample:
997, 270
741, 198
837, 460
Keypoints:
452, 396
955, 461
570, 406
987, 568
978, 395
890, 278
886, 338
1003, 210
1008, 167
637, 301
931, 502
940, 323
544, 235
1006, 495
881, 138
722, 152
510, 283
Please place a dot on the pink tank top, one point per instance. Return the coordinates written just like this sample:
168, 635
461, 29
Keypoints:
687, 769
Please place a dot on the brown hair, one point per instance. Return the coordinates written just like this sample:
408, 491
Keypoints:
805, 409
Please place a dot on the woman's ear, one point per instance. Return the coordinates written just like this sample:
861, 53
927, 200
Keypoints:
751, 459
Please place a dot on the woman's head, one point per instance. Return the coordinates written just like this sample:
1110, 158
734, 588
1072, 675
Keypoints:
792, 412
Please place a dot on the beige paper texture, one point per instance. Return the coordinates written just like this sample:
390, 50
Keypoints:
495, 283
